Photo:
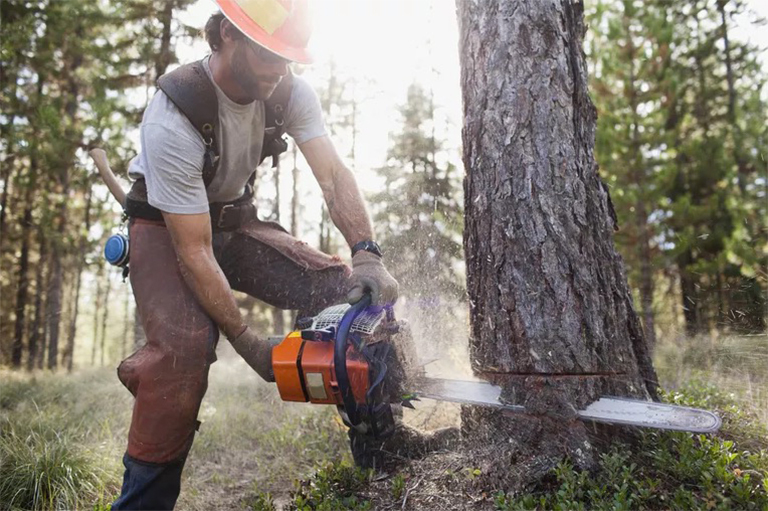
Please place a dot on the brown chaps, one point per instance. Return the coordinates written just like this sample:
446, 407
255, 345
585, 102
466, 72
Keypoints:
168, 376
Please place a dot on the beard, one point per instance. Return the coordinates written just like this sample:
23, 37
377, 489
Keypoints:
255, 85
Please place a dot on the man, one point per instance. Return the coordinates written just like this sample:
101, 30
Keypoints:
194, 235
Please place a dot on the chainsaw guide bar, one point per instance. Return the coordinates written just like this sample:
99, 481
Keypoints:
609, 410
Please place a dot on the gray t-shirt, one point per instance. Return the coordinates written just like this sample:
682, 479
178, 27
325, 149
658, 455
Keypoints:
171, 157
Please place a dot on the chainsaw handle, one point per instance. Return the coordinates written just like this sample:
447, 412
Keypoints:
340, 358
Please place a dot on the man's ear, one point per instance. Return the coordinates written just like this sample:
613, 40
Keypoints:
229, 32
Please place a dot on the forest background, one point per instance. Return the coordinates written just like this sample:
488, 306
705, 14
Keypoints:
682, 144
679, 88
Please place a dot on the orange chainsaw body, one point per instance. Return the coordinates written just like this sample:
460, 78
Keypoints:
304, 371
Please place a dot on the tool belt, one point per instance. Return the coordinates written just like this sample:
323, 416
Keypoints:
225, 216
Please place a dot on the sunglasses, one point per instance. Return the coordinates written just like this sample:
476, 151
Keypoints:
264, 54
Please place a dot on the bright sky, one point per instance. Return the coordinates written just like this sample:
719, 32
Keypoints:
389, 44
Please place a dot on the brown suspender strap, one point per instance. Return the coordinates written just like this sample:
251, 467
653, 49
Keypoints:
274, 120
190, 89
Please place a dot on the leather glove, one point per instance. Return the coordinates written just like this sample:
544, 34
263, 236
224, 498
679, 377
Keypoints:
369, 274
256, 352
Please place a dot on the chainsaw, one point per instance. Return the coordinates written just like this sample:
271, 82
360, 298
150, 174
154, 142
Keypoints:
362, 360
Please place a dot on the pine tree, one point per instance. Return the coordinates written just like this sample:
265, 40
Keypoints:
417, 215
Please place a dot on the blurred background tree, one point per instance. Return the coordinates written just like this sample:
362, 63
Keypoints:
681, 141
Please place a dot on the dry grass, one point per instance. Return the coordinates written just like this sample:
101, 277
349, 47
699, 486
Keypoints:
734, 364
252, 442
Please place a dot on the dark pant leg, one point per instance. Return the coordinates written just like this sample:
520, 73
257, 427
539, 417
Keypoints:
267, 263
168, 375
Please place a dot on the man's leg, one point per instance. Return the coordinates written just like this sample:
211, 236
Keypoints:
266, 262
168, 376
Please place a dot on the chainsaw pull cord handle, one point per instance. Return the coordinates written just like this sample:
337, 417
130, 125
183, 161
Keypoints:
340, 358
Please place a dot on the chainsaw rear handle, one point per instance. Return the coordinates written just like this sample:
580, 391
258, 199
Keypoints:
340, 358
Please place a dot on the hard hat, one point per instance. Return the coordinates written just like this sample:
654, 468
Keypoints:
281, 26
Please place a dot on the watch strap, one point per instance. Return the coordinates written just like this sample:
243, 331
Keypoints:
367, 245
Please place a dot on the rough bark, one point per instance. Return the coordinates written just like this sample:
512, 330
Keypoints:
552, 319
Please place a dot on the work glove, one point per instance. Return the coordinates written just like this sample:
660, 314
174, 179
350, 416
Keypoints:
256, 352
369, 275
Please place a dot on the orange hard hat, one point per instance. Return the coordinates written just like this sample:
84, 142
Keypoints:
281, 26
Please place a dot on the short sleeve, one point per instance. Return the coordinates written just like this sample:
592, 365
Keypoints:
174, 172
303, 114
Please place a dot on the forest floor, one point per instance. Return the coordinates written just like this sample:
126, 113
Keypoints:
253, 448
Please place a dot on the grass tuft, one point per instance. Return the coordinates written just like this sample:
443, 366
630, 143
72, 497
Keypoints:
43, 472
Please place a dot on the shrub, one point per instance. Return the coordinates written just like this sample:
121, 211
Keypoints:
667, 469
332, 488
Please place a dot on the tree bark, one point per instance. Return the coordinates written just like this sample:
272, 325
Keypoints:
165, 55
54, 311
552, 319
22, 286
105, 319
96, 316
69, 351
35, 334
640, 180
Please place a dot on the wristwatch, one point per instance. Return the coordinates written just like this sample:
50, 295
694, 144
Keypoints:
368, 246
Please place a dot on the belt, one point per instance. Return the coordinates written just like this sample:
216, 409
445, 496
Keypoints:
229, 216
225, 216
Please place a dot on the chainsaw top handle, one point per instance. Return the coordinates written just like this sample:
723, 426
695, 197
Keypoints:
340, 358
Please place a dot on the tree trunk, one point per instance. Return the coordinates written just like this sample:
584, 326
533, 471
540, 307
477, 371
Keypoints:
96, 310
552, 319
105, 319
44, 330
165, 56
22, 289
35, 333
54, 311
640, 179
69, 351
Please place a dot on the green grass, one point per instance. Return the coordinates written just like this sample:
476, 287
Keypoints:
41, 472
58, 446
62, 438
